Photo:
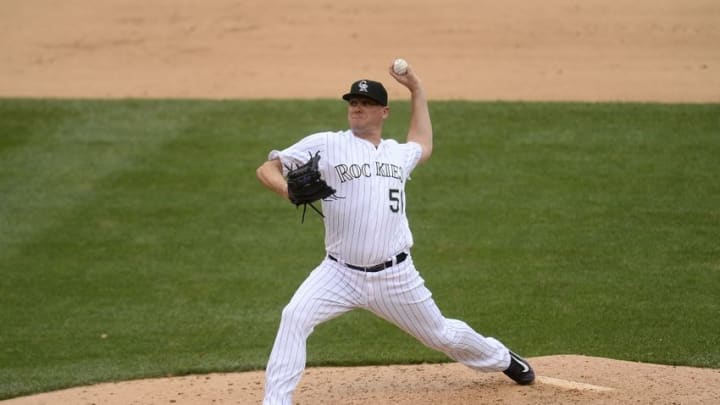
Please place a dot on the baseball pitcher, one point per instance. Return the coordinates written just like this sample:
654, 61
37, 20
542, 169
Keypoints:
359, 179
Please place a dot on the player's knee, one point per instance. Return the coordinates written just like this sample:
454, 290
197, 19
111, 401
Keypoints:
441, 339
298, 316
447, 336
291, 313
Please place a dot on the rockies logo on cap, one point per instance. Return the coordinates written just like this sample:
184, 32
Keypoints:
370, 89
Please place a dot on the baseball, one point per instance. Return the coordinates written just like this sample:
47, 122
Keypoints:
400, 66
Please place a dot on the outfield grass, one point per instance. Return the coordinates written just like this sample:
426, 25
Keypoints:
135, 240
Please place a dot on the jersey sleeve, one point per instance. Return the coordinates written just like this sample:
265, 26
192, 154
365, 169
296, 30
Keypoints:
413, 153
299, 153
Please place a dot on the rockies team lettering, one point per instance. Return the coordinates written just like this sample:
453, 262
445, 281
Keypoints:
356, 171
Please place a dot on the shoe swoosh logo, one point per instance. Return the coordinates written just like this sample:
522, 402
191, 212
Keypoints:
526, 368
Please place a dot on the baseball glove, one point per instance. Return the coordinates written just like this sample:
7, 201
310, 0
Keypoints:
305, 185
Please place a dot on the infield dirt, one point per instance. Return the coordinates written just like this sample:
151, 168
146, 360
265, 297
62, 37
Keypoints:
630, 50
590, 50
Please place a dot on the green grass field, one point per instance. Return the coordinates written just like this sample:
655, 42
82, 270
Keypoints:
135, 240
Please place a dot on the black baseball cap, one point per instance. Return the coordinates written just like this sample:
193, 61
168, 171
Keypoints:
370, 89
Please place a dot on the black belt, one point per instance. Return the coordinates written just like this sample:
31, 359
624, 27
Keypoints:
378, 267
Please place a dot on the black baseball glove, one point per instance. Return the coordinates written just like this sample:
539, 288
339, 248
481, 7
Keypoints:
305, 185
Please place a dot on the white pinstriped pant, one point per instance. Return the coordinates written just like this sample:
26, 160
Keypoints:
397, 294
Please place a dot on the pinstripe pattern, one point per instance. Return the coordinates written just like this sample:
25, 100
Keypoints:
360, 228
397, 294
366, 227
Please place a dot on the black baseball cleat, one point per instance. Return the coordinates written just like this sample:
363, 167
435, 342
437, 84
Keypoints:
520, 370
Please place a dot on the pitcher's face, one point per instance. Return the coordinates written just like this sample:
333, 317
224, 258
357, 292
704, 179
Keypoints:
365, 115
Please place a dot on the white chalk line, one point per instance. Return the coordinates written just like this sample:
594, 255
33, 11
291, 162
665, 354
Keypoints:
572, 385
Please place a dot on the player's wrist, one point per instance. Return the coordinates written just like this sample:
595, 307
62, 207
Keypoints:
416, 89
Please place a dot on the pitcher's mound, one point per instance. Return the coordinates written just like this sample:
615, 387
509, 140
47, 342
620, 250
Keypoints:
567, 379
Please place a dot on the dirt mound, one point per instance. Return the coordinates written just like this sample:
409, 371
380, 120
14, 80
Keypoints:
561, 380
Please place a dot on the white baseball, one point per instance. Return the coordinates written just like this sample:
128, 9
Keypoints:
400, 66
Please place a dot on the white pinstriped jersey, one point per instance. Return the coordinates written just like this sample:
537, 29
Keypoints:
368, 224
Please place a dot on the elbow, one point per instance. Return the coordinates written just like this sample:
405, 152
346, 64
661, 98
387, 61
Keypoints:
262, 172
270, 175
